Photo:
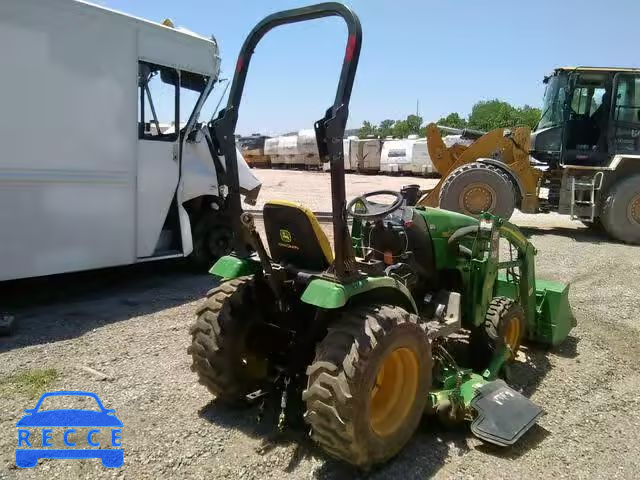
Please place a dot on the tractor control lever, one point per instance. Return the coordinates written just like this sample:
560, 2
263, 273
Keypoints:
247, 221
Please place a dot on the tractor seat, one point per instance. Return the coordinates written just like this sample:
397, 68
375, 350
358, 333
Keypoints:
295, 237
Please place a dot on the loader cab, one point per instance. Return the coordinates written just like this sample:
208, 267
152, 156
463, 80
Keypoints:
588, 116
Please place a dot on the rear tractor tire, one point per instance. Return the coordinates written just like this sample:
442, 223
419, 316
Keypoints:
479, 187
504, 324
621, 211
368, 385
219, 352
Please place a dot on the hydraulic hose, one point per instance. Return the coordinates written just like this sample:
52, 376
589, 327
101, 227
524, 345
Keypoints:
461, 232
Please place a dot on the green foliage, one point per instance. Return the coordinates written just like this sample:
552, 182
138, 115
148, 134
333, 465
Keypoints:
485, 115
396, 128
453, 120
490, 114
528, 115
367, 129
386, 128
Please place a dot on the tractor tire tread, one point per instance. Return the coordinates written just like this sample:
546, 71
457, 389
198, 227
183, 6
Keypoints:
497, 308
612, 217
456, 173
486, 338
210, 340
333, 378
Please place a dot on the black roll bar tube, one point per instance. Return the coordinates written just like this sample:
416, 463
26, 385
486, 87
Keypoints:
329, 130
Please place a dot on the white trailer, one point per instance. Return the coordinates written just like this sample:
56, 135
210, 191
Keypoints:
89, 176
408, 155
365, 155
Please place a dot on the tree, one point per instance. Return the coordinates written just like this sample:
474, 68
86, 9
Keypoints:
400, 129
490, 114
529, 116
487, 115
367, 129
386, 128
414, 122
453, 120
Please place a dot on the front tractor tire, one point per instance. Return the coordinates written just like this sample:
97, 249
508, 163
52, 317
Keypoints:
368, 385
504, 324
478, 187
219, 351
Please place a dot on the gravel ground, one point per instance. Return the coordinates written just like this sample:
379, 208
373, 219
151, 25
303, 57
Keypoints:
130, 326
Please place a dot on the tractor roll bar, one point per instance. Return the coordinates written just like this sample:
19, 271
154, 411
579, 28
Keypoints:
312, 12
329, 130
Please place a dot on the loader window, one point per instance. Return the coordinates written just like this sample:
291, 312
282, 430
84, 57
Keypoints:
159, 105
627, 99
626, 114
554, 101
586, 100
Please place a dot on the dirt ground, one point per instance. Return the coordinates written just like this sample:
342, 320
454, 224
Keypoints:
123, 334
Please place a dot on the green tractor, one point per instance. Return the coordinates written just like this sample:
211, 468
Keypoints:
363, 334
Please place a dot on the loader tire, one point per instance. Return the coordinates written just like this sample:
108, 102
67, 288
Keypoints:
478, 187
368, 385
503, 324
220, 356
620, 214
595, 226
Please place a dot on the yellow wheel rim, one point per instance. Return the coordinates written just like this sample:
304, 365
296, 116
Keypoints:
477, 198
633, 211
512, 334
394, 391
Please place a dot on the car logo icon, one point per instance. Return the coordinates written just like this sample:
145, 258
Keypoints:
98, 420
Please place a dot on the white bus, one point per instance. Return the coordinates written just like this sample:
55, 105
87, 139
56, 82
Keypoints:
103, 159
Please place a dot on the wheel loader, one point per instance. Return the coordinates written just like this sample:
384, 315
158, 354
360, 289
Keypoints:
582, 160
365, 335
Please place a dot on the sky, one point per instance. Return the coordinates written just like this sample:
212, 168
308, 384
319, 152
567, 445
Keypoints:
443, 55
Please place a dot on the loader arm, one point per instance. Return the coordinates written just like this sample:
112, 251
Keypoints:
510, 147
546, 305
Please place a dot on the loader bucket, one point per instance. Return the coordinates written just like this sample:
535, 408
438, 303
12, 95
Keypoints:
553, 317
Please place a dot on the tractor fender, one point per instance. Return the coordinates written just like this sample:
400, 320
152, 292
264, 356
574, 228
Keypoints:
230, 267
331, 295
515, 178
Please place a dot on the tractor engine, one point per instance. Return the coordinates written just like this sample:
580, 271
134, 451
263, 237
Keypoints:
403, 243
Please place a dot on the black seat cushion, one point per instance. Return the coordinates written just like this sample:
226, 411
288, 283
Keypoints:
295, 236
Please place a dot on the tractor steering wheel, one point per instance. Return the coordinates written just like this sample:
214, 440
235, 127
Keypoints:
361, 208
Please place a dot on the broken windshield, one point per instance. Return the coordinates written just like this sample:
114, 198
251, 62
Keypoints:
167, 97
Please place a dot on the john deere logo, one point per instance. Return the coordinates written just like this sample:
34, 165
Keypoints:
285, 236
